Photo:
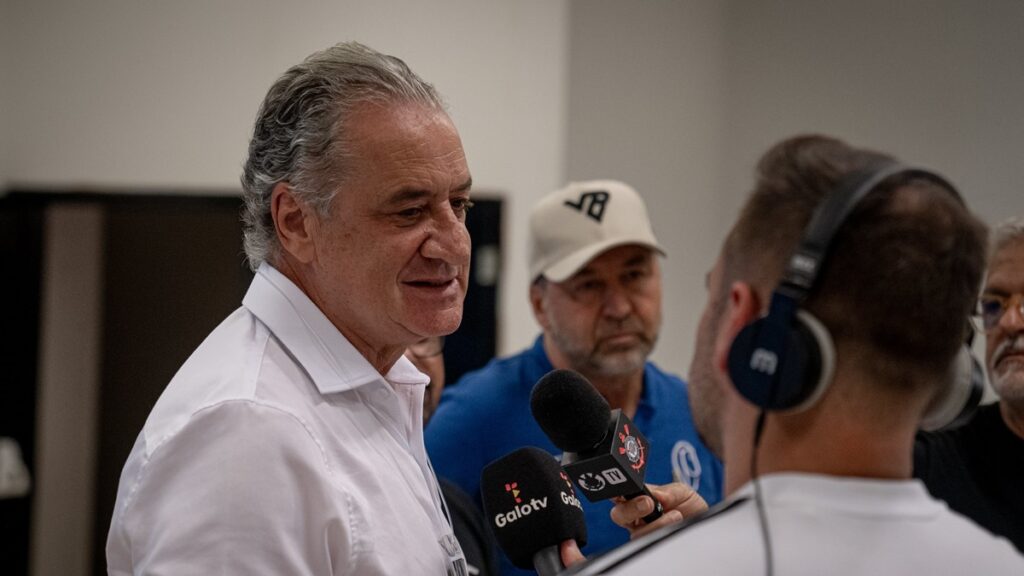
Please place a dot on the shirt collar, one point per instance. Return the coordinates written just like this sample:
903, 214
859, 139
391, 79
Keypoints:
845, 494
317, 345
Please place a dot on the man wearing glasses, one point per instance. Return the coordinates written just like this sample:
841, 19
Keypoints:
979, 469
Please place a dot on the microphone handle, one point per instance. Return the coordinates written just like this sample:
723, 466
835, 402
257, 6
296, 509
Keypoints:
658, 508
548, 561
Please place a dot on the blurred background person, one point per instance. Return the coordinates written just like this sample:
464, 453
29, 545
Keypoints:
978, 469
596, 294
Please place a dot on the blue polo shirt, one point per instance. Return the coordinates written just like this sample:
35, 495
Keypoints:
486, 415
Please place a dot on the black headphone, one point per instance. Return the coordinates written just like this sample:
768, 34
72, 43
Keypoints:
784, 361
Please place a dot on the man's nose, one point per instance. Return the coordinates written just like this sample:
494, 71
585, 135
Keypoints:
1012, 319
616, 302
448, 240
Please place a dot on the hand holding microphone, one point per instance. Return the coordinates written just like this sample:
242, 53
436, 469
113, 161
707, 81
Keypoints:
604, 454
679, 500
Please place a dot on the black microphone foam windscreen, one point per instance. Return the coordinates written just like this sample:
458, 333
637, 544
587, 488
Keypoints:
570, 410
530, 504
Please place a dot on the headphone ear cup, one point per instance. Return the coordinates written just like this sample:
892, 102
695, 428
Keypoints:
956, 403
780, 368
748, 371
816, 365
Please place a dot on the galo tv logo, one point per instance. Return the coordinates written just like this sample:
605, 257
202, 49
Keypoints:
521, 508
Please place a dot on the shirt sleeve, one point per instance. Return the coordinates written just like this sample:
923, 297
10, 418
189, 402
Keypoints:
242, 488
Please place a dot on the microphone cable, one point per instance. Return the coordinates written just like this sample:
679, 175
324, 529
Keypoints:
762, 514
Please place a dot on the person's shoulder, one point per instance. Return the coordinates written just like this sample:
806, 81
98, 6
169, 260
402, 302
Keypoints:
500, 375
655, 374
224, 366
665, 388
959, 536
938, 452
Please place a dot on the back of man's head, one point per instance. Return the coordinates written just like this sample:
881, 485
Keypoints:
903, 271
300, 132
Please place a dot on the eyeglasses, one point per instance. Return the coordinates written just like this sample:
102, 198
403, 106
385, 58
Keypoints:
991, 307
428, 347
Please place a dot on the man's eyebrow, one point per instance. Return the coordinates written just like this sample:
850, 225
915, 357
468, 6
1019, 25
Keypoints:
464, 186
408, 194
638, 260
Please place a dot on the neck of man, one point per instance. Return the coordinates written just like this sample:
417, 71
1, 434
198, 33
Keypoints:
1013, 416
381, 358
834, 438
622, 392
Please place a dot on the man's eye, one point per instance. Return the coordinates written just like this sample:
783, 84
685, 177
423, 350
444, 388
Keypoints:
461, 205
410, 213
636, 274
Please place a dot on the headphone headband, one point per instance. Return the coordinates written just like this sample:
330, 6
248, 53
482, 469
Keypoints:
804, 265
784, 360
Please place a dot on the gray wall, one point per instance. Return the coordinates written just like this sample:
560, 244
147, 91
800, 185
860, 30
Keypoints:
6, 77
646, 106
677, 97
681, 97
128, 94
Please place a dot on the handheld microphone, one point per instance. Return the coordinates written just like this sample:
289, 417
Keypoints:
532, 508
603, 452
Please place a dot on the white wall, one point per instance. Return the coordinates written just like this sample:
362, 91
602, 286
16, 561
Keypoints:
6, 77
681, 97
936, 82
678, 97
128, 93
646, 107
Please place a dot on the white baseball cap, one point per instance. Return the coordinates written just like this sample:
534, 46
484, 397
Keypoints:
571, 226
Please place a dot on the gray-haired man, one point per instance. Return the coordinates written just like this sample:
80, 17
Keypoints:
290, 442
978, 469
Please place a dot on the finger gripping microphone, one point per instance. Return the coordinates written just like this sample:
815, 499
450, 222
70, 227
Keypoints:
603, 452
532, 508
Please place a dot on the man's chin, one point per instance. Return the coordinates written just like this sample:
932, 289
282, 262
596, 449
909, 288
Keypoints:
621, 363
440, 324
1008, 382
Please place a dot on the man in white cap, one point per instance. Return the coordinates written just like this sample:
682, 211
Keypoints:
596, 293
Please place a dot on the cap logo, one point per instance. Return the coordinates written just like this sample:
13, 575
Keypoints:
590, 203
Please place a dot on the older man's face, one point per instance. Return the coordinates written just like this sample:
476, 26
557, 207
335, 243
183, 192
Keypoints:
605, 318
1004, 349
393, 254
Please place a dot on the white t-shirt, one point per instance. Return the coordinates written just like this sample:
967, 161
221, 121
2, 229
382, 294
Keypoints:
278, 449
822, 525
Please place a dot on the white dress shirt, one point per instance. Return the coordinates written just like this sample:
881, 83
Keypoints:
278, 449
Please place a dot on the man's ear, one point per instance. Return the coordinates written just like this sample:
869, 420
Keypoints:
743, 307
294, 222
537, 303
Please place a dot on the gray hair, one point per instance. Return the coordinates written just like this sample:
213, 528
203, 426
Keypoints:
300, 131
1011, 230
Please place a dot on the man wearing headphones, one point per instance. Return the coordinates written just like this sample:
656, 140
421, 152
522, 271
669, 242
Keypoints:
978, 468
836, 312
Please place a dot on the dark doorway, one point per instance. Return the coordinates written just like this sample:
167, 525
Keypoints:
21, 227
